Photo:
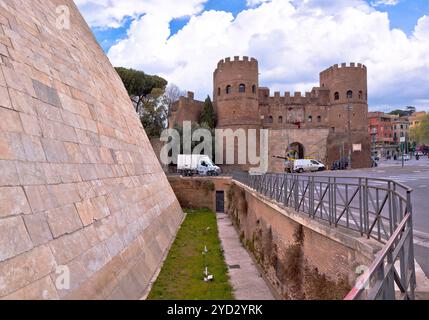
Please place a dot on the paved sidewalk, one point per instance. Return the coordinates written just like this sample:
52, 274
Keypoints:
246, 280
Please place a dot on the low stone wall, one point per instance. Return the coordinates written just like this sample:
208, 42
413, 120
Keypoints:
196, 192
301, 257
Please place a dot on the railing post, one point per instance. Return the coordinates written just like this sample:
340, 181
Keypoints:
366, 208
361, 206
311, 197
296, 195
411, 247
389, 287
334, 195
330, 201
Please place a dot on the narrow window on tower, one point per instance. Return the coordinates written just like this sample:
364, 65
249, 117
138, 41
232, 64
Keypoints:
242, 88
319, 119
310, 118
254, 88
228, 89
349, 94
280, 119
270, 119
218, 91
337, 96
360, 95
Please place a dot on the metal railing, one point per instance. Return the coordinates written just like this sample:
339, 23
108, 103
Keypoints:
376, 208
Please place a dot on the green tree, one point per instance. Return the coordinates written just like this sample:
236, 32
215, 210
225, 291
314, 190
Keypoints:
208, 115
420, 134
398, 112
408, 111
153, 113
140, 85
147, 93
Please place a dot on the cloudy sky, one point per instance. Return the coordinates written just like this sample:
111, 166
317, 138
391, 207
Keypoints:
182, 40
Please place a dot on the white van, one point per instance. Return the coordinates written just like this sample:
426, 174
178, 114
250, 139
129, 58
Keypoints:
190, 164
305, 165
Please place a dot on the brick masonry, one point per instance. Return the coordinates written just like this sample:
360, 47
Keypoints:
80, 185
320, 265
196, 193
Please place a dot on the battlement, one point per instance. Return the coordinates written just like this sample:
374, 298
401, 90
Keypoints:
237, 59
344, 66
288, 97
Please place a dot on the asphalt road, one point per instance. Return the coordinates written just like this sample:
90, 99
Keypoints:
415, 174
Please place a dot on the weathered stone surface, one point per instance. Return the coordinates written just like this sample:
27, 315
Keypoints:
13, 201
38, 228
43, 289
46, 94
14, 238
9, 175
64, 220
4, 98
25, 269
80, 184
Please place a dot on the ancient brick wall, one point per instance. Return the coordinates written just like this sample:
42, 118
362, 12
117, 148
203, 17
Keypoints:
186, 109
195, 193
80, 185
303, 258
314, 141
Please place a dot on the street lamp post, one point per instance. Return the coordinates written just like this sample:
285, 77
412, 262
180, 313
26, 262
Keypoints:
349, 128
403, 140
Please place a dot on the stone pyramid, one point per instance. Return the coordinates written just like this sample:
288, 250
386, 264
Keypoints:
81, 190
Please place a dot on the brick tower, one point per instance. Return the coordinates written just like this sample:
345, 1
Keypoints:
348, 112
236, 84
348, 93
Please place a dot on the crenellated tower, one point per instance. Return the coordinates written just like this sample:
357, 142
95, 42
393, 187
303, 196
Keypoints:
348, 87
236, 83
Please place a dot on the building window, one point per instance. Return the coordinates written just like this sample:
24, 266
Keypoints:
254, 88
228, 89
218, 91
310, 118
242, 88
280, 119
360, 95
333, 129
319, 119
337, 96
270, 119
349, 94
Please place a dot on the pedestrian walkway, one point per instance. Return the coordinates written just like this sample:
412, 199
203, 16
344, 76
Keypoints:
245, 278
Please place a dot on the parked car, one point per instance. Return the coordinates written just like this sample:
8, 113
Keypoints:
308, 165
191, 164
342, 164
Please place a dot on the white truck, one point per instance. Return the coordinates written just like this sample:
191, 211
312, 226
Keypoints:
308, 165
191, 164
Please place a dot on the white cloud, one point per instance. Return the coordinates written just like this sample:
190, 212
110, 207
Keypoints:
111, 13
254, 3
292, 39
384, 3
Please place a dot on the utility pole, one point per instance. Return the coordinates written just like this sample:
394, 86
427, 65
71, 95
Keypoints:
349, 110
